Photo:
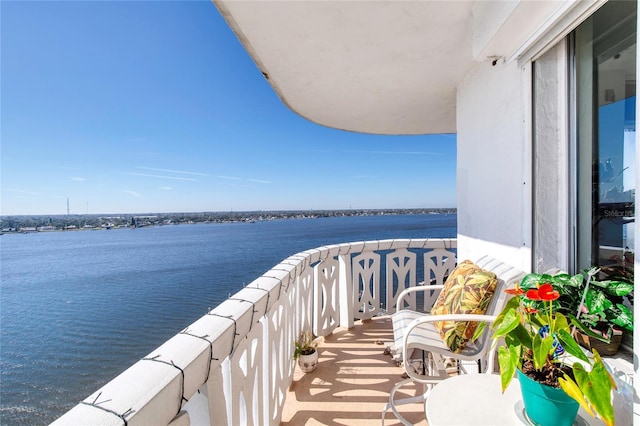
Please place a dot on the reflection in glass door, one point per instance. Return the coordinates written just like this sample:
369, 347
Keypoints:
605, 49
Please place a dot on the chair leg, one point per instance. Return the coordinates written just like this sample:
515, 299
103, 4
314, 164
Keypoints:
431, 369
392, 404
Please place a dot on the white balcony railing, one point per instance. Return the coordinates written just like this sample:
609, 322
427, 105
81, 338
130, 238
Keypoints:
234, 365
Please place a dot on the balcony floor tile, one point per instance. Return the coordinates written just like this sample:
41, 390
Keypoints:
351, 384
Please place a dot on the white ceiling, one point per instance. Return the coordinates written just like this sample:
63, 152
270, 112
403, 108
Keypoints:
383, 66
373, 67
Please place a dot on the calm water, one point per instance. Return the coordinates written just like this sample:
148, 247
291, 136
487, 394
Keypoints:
78, 308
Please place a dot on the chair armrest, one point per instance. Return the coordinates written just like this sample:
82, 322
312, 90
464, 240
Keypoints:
451, 317
447, 317
428, 318
417, 288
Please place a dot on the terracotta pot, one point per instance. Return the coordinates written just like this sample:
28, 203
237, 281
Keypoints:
308, 363
545, 405
603, 348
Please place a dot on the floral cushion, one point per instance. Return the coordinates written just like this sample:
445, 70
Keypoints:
468, 290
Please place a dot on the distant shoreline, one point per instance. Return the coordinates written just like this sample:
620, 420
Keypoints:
91, 222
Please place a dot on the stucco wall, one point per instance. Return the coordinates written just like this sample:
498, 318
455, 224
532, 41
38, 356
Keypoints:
493, 174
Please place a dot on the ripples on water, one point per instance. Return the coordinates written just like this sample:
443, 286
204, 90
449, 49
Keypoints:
78, 308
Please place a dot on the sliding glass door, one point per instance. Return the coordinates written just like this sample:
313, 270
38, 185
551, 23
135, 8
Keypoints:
604, 55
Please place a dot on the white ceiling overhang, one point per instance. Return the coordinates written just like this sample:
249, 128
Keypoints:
386, 67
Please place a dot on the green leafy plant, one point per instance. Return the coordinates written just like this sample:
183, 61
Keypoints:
537, 336
601, 308
594, 306
304, 344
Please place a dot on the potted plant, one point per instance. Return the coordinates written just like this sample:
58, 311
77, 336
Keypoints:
602, 312
551, 366
594, 306
305, 352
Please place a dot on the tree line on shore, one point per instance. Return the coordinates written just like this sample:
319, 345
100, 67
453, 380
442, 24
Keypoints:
34, 223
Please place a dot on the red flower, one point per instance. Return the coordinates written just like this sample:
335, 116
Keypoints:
546, 292
529, 310
533, 294
514, 291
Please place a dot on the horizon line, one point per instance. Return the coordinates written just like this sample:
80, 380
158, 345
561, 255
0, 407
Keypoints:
237, 211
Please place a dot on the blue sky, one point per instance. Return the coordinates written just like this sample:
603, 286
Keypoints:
149, 106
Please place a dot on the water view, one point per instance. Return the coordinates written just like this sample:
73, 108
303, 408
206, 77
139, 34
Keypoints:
78, 308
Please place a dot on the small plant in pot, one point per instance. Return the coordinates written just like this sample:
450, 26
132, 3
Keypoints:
550, 364
305, 352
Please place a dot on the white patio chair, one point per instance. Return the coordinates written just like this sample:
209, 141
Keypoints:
415, 332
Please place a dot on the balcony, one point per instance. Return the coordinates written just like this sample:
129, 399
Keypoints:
234, 366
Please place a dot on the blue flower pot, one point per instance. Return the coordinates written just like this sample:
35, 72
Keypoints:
547, 406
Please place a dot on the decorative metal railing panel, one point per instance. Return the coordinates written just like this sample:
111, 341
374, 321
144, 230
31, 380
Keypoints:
401, 274
437, 264
234, 365
246, 369
326, 296
366, 284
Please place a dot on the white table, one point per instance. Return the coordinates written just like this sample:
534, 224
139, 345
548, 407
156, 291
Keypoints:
476, 399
